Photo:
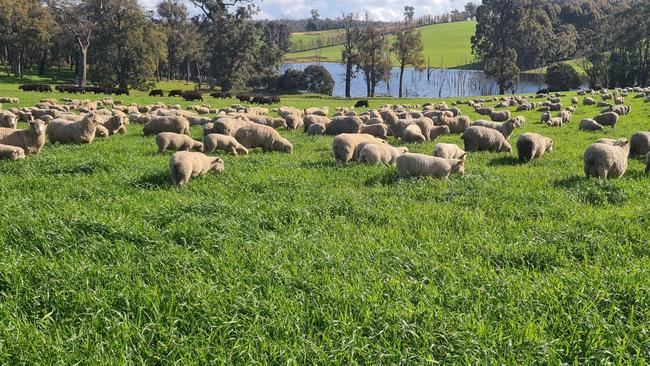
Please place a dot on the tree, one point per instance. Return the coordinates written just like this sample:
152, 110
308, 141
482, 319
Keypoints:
350, 51
408, 49
316, 79
315, 15
470, 9
561, 76
409, 13
290, 81
497, 29
373, 58
80, 18
174, 16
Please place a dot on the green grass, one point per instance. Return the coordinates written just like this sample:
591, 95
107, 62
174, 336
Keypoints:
446, 45
297, 259
308, 37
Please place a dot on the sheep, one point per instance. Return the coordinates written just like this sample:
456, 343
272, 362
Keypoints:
621, 110
175, 141
101, 131
439, 131
66, 132
347, 124
316, 129
555, 122
31, 139
184, 165
566, 116
413, 133
525, 107
554, 107
345, 144
607, 119
574, 100
546, 116
316, 111
588, 101
9, 100
380, 154
310, 119
532, 146
9, 152
8, 119
425, 124
506, 128
639, 144
479, 138
588, 124
449, 151
500, 116
606, 161
420, 165
377, 130
619, 100
228, 144
225, 126
267, 138
483, 111
458, 124
519, 121
115, 124
176, 124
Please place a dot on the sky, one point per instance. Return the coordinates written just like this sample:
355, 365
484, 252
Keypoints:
384, 10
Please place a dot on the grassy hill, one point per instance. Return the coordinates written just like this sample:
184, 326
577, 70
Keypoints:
297, 259
446, 45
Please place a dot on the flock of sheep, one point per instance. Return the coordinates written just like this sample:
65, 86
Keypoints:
358, 137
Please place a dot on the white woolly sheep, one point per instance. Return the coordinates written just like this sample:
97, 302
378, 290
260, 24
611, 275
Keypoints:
413, 134
555, 122
310, 119
316, 129
79, 132
101, 131
377, 130
420, 165
449, 151
267, 138
346, 124
588, 101
588, 124
8, 119
225, 143
607, 119
639, 144
380, 154
574, 100
9, 152
479, 138
566, 116
31, 139
439, 131
175, 141
532, 146
506, 128
345, 144
176, 124
184, 165
606, 161
500, 116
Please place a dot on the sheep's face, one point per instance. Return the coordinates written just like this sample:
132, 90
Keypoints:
198, 146
38, 127
446, 130
217, 165
286, 147
458, 166
464, 156
549, 145
506, 148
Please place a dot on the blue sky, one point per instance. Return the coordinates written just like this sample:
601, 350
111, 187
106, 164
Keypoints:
377, 9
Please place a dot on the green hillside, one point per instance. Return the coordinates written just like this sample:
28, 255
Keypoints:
446, 45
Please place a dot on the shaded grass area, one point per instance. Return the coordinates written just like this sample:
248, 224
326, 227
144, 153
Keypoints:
297, 259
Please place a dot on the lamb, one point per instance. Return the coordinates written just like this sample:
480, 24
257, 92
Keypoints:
500, 116
267, 138
176, 124
639, 144
532, 146
8, 119
313, 118
506, 128
184, 165
607, 119
9, 152
449, 151
228, 144
588, 124
606, 161
555, 122
175, 141
439, 131
66, 132
346, 124
345, 144
380, 154
413, 134
479, 138
316, 129
377, 130
31, 139
420, 165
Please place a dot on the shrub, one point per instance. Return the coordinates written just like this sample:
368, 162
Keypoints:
290, 81
316, 79
561, 76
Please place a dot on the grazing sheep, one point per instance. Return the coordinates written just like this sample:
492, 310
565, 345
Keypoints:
412, 133
420, 165
115, 124
500, 116
506, 128
606, 161
176, 124
79, 132
9, 100
31, 139
479, 138
439, 131
228, 144
639, 144
532, 146
8, 119
458, 124
519, 121
253, 135
175, 141
316, 129
546, 116
378, 130
483, 111
588, 101
184, 165
9, 152
345, 144
380, 154
555, 122
310, 119
588, 124
345, 124
554, 107
101, 131
607, 119
566, 116
574, 100
525, 107
225, 126
449, 151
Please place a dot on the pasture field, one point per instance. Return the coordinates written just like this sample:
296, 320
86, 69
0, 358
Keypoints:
297, 259
308, 37
447, 45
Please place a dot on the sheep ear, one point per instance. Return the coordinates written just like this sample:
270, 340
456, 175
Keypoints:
464, 155
460, 163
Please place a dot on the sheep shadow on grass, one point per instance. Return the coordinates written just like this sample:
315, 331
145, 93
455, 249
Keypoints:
387, 177
507, 160
153, 181
594, 191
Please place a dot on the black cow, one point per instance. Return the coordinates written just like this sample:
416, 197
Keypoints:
361, 103
156, 93
175, 93
192, 96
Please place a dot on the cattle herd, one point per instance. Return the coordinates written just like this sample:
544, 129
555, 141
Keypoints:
358, 136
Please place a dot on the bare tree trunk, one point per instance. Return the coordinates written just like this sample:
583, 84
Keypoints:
348, 78
401, 76
83, 68
187, 77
